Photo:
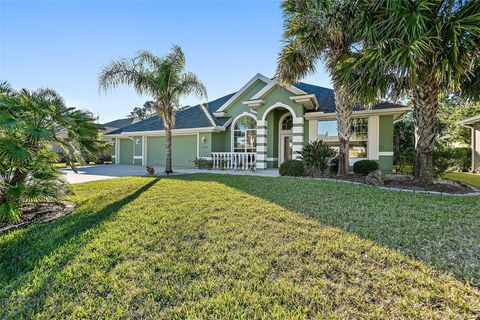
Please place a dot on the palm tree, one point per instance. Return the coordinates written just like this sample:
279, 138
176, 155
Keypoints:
314, 30
30, 122
162, 78
419, 48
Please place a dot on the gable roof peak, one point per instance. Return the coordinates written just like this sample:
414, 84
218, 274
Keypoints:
257, 77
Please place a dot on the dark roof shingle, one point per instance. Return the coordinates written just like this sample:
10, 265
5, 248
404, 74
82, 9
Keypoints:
119, 123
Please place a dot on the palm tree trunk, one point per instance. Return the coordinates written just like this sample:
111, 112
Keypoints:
425, 107
168, 144
344, 114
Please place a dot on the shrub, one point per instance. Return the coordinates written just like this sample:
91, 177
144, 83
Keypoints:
463, 158
202, 163
334, 165
316, 156
364, 167
443, 158
293, 168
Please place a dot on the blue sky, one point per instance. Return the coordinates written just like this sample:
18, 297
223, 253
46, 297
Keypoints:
63, 45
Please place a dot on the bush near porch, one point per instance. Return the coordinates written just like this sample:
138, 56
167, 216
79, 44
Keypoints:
231, 246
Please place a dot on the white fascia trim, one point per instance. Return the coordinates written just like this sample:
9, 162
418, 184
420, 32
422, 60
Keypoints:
162, 132
254, 103
258, 76
470, 121
227, 124
306, 98
208, 115
271, 85
220, 114
332, 115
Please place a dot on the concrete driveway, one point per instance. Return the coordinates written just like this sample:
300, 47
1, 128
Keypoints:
111, 171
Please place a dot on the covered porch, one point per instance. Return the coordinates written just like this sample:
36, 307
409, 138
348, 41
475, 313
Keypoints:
263, 140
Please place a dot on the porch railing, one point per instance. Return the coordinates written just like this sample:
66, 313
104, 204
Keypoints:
234, 160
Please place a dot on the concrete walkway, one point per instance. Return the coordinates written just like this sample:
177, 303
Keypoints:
111, 171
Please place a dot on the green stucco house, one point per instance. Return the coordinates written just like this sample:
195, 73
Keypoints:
261, 125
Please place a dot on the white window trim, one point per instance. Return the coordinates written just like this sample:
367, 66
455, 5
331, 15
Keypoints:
372, 137
232, 130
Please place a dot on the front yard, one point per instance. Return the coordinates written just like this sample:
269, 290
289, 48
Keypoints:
472, 179
226, 246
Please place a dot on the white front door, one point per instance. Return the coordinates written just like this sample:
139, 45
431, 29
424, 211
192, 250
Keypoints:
286, 147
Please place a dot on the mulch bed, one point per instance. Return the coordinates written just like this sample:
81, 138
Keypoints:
39, 213
406, 182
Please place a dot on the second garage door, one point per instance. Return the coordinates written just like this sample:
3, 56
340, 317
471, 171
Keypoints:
184, 151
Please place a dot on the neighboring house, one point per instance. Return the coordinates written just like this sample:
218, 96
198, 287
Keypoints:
474, 124
261, 125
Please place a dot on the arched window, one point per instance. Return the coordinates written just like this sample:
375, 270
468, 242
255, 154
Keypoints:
287, 123
245, 135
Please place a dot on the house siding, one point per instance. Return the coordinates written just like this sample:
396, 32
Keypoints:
137, 144
385, 159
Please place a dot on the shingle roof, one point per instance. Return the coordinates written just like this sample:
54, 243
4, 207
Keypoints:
187, 118
326, 99
195, 117
119, 123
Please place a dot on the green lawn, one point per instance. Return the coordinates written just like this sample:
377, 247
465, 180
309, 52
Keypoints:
472, 179
218, 246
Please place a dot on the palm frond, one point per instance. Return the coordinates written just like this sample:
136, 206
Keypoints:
190, 84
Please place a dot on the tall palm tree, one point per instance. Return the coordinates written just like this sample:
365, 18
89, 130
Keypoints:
419, 48
162, 78
314, 30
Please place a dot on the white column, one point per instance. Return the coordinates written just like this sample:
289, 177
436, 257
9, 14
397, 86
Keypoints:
144, 160
261, 158
373, 143
476, 148
117, 151
312, 130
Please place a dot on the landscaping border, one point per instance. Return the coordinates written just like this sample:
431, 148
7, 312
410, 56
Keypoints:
68, 208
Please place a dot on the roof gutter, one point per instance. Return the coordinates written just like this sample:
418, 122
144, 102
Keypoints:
388, 111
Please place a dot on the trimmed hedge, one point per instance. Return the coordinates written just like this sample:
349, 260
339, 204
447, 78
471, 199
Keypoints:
292, 168
364, 167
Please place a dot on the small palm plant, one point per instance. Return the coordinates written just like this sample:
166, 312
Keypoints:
30, 121
162, 78
317, 156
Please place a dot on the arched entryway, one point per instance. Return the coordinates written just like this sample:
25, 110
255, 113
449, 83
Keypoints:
279, 135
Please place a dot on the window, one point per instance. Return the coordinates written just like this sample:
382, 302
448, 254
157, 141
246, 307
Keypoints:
327, 131
287, 123
245, 135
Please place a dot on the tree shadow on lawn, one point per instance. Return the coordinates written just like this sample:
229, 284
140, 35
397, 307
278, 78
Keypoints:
26, 250
441, 231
